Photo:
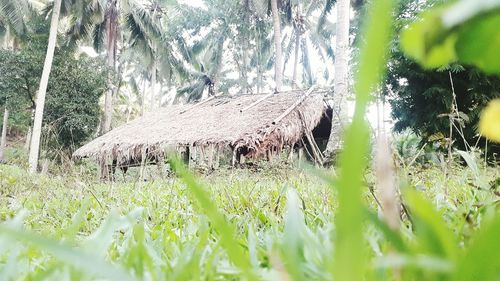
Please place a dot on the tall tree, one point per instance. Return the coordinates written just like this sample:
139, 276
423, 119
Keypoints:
341, 82
106, 22
13, 16
278, 71
40, 101
3, 141
309, 30
111, 47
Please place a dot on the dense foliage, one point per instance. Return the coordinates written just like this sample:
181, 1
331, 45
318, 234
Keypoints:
75, 86
422, 99
72, 108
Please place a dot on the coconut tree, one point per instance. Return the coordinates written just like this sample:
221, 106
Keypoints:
106, 23
202, 60
278, 72
341, 83
40, 101
309, 31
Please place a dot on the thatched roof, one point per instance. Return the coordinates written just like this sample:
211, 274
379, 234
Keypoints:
218, 121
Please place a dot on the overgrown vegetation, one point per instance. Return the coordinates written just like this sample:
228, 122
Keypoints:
283, 224
75, 86
433, 218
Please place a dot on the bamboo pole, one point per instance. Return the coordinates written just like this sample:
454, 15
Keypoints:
291, 108
257, 102
200, 103
314, 147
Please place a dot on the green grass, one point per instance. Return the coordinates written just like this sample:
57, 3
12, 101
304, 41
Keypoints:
281, 227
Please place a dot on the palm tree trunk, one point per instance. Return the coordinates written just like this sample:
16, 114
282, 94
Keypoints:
278, 73
218, 70
144, 94
3, 142
28, 139
27, 144
153, 85
112, 34
40, 101
296, 59
341, 83
160, 94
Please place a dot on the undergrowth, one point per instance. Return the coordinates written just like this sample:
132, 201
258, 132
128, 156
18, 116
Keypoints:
155, 231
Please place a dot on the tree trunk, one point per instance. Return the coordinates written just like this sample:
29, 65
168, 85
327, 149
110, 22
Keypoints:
144, 95
40, 101
296, 59
153, 85
6, 38
218, 70
28, 139
3, 142
112, 33
341, 83
278, 72
160, 94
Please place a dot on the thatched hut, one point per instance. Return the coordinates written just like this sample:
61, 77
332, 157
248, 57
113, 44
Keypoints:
250, 126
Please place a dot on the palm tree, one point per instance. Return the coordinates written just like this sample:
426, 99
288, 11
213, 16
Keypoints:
278, 72
201, 62
309, 30
107, 22
341, 83
40, 101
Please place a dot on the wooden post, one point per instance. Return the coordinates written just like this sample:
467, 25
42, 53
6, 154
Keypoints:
291, 154
185, 155
192, 156
233, 161
211, 157
217, 156
143, 165
301, 153
160, 163
104, 170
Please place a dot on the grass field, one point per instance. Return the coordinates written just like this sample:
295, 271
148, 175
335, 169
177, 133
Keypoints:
275, 224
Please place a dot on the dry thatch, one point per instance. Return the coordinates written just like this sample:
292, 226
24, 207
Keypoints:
217, 122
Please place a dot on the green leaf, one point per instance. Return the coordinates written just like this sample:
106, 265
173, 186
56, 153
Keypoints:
392, 236
349, 256
66, 253
293, 243
466, 31
479, 43
481, 261
226, 230
432, 233
428, 43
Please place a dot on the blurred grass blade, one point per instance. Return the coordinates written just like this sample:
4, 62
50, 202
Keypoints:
99, 242
293, 247
66, 253
349, 254
392, 236
431, 231
481, 261
225, 229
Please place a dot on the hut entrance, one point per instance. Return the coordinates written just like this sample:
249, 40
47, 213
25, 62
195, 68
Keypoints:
314, 142
321, 133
